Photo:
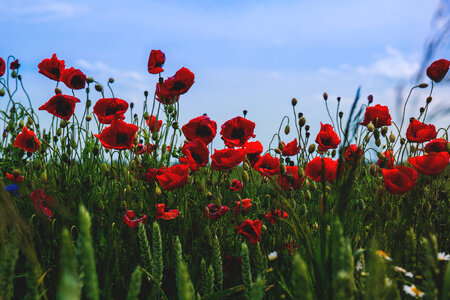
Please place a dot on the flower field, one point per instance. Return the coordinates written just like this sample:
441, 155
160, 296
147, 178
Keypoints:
113, 204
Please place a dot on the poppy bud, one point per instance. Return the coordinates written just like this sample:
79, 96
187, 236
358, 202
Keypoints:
294, 102
282, 169
43, 177
300, 172
21, 124
447, 147
30, 120
301, 121
96, 150
307, 195
63, 124
429, 99
111, 80
370, 127
58, 90
376, 133
384, 130
155, 136
392, 137
311, 148
300, 114
307, 127
338, 99
328, 189
88, 103
245, 177
277, 151
287, 129
163, 148
158, 192
104, 168
88, 118
55, 138
378, 142
59, 132
402, 141
2, 92
412, 148
170, 109
341, 114
175, 125
423, 85
14, 74
307, 134
145, 115
244, 112
99, 87
325, 96
146, 94
313, 186
381, 156
90, 79
246, 166
370, 98
280, 146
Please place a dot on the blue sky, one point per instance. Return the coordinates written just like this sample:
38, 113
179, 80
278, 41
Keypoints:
253, 55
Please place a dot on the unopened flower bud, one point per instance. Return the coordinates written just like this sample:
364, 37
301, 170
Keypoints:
146, 94
421, 110
63, 124
43, 177
14, 74
299, 115
145, 115
301, 121
376, 133
333, 153
300, 172
378, 142
370, 127
245, 177
30, 121
412, 148
246, 166
341, 114
384, 130
380, 155
402, 141
287, 129
447, 147
307, 195
280, 146
99, 87
311, 148
338, 99
370, 98
111, 80
307, 134
2, 92
158, 192
163, 148
429, 99
58, 132
423, 85
307, 127
325, 96
21, 124
282, 169
88, 103
89, 118
57, 90
392, 137
155, 136
328, 189
294, 102
131, 105
277, 151
175, 125
264, 227
244, 112
90, 79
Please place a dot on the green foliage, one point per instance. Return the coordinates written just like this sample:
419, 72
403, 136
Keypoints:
144, 247
69, 287
300, 280
246, 271
9, 256
158, 264
135, 284
217, 263
257, 292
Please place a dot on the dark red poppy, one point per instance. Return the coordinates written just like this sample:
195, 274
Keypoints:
162, 213
130, 219
254, 150
327, 138
388, 161
227, 158
274, 215
14, 65
196, 154
14, 177
267, 165
237, 131
314, 169
52, 67
214, 212
201, 127
290, 179
353, 153
27, 140
151, 123
438, 69
42, 202
73, 79
400, 179
151, 173
378, 115
169, 91
61, 106
2, 66
155, 61
290, 149
437, 145
119, 135
236, 185
290, 247
419, 132
108, 109
173, 177
251, 230
242, 206
430, 164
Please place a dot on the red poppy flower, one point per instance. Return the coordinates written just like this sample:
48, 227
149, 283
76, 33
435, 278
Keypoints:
162, 213
172, 87
290, 149
353, 153
196, 154
290, 247
151, 122
15, 178
173, 177
130, 219
399, 180
61, 106
314, 169
388, 161
14, 65
119, 135
430, 164
2, 66
151, 173
236, 185
290, 179
419, 132
438, 69
237, 131
227, 158
274, 215
52, 67
108, 109
73, 79
242, 206
155, 61
251, 230
27, 140
201, 127
214, 212
437, 145
327, 138
267, 165
42, 202
254, 150
378, 115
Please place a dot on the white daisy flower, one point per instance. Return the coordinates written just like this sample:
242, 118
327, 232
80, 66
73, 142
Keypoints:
413, 291
442, 256
273, 255
359, 266
401, 270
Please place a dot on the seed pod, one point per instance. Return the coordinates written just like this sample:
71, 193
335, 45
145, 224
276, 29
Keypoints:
402, 141
63, 124
170, 109
412, 148
384, 130
88, 103
313, 186
155, 136
58, 132
429, 99
311, 148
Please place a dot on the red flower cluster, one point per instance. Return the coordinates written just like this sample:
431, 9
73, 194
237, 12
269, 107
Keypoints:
250, 229
130, 219
196, 154
267, 165
2, 66
173, 177
151, 122
388, 161
151, 173
155, 62
399, 180
73, 79
314, 169
437, 145
274, 215
378, 115
27, 140
213, 211
202, 128
254, 150
169, 91
52, 67
14, 65
108, 109
42, 202
237, 131
119, 135
61, 106
290, 149
15, 177
327, 138
430, 164
227, 158
353, 153
419, 132
290, 179
438, 69
162, 213
236, 185
242, 206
